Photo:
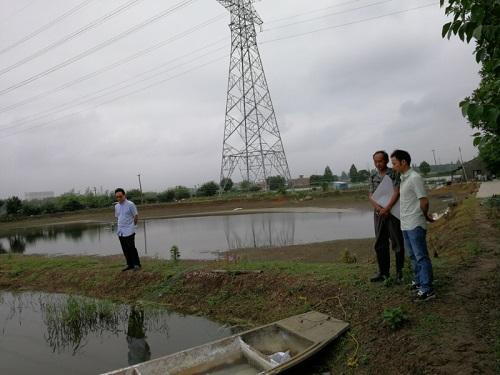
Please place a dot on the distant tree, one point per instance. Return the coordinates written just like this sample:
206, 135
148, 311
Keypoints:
353, 173
13, 205
276, 182
424, 168
167, 195
363, 175
50, 206
344, 176
2, 202
208, 189
71, 202
134, 195
328, 175
316, 180
182, 192
249, 186
226, 184
150, 197
31, 208
254, 188
245, 185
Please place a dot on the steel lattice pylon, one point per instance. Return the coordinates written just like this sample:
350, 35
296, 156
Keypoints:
252, 141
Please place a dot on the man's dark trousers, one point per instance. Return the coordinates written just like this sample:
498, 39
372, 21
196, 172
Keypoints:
129, 250
388, 228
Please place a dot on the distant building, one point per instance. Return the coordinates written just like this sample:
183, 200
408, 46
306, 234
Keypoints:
340, 185
476, 170
38, 195
301, 182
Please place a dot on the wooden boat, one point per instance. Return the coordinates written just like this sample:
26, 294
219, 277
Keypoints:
294, 339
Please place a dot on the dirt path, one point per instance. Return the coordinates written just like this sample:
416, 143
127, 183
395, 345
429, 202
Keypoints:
488, 189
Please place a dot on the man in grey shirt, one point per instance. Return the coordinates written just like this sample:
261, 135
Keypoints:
127, 216
414, 217
387, 226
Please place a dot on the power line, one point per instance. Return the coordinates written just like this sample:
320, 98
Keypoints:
90, 97
16, 12
347, 24
275, 20
46, 26
116, 64
116, 98
210, 62
331, 14
71, 36
98, 47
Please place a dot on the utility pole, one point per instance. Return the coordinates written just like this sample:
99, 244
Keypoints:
95, 191
252, 141
462, 162
140, 188
434, 153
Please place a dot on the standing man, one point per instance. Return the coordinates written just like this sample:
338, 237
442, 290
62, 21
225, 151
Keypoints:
387, 226
414, 217
126, 214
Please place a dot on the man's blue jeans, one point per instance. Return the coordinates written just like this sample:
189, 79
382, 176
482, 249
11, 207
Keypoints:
416, 248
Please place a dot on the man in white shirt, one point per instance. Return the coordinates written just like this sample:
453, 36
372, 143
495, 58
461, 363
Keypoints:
414, 206
127, 216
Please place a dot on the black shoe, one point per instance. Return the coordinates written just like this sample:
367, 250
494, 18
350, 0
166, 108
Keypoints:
128, 268
136, 268
424, 296
378, 278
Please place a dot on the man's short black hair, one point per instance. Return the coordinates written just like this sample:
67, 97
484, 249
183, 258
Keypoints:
401, 155
120, 190
386, 156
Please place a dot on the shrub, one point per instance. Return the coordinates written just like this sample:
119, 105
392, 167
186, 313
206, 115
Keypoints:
395, 318
208, 189
182, 192
167, 196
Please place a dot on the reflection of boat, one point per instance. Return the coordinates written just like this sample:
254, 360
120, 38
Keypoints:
293, 339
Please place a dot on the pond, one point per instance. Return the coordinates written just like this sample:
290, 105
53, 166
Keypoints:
58, 334
196, 237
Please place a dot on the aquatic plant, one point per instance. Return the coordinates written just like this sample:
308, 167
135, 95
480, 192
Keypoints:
70, 320
175, 253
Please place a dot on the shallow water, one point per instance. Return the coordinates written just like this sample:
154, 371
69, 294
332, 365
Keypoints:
196, 237
56, 334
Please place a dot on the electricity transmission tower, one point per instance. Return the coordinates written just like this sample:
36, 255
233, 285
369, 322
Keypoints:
252, 141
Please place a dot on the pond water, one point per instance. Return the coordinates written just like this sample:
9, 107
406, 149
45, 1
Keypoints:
57, 334
196, 237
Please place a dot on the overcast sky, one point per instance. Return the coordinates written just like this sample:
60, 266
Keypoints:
357, 77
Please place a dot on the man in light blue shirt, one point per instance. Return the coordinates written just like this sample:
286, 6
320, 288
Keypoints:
414, 206
127, 216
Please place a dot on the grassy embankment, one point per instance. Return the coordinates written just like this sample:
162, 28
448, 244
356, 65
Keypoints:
456, 333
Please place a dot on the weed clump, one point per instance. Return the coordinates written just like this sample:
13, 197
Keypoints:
348, 258
395, 318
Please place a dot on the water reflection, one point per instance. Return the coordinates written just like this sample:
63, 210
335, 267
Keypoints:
138, 348
196, 237
69, 321
261, 232
17, 244
58, 334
